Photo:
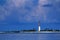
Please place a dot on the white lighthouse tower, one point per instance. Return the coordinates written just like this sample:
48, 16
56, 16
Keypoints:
39, 28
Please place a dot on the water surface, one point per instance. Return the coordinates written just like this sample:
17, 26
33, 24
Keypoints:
31, 36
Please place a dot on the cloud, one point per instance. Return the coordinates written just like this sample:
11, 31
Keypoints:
27, 10
8, 7
16, 3
3, 13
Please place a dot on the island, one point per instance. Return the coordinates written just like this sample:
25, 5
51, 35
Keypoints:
31, 30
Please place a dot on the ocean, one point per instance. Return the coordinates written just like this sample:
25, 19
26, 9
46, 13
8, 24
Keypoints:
30, 36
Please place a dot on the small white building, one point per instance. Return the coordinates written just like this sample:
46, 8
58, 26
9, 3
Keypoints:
39, 28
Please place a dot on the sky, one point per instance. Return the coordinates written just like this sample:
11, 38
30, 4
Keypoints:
25, 12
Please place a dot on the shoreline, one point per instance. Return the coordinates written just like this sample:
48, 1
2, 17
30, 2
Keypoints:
31, 32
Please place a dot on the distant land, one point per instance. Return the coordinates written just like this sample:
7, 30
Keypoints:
31, 30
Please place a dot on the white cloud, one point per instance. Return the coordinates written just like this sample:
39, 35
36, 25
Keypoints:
36, 13
3, 13
42, 2
16, 3
9, 7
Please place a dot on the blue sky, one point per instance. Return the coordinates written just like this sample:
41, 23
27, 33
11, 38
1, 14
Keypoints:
29, 11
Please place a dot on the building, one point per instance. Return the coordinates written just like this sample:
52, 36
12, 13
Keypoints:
39, 28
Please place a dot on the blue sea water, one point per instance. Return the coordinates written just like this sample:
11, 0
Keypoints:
41, 36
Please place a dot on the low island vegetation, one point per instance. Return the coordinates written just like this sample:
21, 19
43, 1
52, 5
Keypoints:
31, 30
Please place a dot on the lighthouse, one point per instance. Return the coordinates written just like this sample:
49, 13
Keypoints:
39, 28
